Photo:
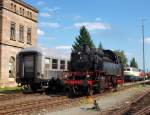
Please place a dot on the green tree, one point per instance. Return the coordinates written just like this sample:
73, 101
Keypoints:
83, 38
133, 63
100, 45
122, 57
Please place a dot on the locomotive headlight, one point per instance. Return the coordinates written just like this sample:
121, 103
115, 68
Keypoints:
65, 76
87, 76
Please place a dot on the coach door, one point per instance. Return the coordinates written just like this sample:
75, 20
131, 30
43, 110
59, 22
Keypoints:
29, 66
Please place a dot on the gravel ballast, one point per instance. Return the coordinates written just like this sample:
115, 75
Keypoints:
107, 102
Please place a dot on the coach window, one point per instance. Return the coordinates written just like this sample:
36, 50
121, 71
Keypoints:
54, 63
47, 63
62, 64
67, 65
11, 67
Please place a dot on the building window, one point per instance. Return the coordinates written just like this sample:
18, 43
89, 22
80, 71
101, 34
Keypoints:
12, 6
29, 36
11, 67
12, 31
23, 12
15, 8
62, 64
21, 33
54, 63
30, 15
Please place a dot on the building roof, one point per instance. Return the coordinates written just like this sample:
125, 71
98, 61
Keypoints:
21, 2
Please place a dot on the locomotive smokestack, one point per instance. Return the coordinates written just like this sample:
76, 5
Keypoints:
86, 48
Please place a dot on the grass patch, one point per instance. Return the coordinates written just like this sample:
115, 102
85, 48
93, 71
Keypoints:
10, 89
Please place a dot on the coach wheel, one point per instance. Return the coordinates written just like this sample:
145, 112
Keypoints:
90, 91
70, 92
34, 87
25, 87
97, 88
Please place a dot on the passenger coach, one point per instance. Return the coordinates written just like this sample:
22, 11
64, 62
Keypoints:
37, 68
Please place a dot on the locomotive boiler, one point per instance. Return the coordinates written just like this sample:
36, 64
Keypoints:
93, 70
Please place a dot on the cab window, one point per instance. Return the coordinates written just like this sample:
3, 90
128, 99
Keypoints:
47, 63
54, 63
62, 64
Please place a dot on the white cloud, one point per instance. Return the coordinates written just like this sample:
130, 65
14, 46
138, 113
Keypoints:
53, 9
93, 25
46, 38
98, 19
49, 24
45, 14
40, 3
128, 54
147, 40
68, 47
40, 32
53, 52
78, 17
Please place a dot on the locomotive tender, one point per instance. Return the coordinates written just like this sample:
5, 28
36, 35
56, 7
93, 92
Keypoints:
93, 70
37, 69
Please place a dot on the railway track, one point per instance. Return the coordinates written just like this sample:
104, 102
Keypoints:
20, 107
29, 103
139, 106
4, 97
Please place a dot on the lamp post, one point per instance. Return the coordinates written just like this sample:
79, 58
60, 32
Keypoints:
143, 46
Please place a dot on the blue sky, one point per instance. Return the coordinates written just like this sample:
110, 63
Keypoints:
115, 23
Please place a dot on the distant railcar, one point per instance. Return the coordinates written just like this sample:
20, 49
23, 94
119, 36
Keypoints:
37, 69
133, 74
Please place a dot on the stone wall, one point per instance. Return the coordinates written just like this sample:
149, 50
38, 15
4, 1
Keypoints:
6, 54
7, 18
9, 48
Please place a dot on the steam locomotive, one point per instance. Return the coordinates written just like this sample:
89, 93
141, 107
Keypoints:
92, 70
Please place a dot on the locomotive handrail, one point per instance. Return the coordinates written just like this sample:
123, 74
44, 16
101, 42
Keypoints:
70, 74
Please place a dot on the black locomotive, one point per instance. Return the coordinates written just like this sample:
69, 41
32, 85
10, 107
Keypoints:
92, 70
95, 59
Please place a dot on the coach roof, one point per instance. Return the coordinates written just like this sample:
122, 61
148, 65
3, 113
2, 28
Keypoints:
47, 52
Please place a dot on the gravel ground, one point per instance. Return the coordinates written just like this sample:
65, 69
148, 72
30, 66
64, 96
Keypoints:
108, 102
